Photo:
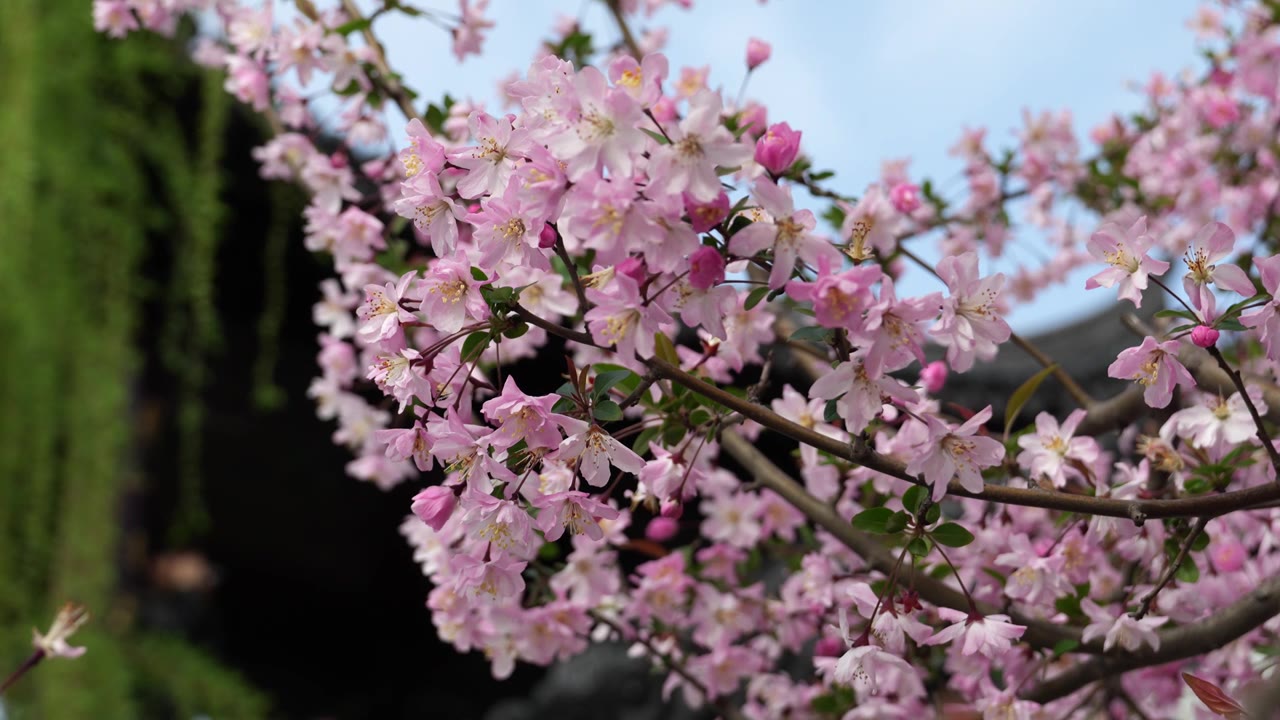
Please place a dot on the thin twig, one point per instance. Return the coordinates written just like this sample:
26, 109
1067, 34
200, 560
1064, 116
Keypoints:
1149, 599
1263, 435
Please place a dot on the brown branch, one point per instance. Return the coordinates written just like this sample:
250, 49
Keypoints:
875, 553
1238, 381
1186, 641
628, 39
386, 80
1170, 571
1137, 510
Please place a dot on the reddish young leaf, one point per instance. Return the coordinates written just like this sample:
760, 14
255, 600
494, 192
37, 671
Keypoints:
1214, 698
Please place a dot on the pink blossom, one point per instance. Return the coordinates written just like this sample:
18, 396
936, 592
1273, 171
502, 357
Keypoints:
1125, 251
777, 149
987, 635
839, 300
523, 417
1215, 423
788, 234
699, 144
114, 17
706, 268
704, 216
382, 314
642, 80
970, 326
451, 294
495, 580
1156, 367
1212, 244
1266, 319
871, 224
621, 319
1052, 452
905, 197
958, 452
861, 394
489, 165
434, 506
1124, 630
596, 450
468, 34
501, 524
575, 511
604, 129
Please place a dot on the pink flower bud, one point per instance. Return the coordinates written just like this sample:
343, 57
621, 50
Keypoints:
661, 529
1204, 336
704, 216
672, 509
828, 647
757, 52
778, 148
905, 198
934, 376
434, 505
547, 238
664, 109
706, 268
633, 268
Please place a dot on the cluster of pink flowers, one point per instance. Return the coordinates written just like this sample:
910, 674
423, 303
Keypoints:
643, 232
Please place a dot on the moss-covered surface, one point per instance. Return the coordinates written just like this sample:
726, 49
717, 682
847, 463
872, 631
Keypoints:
90, 129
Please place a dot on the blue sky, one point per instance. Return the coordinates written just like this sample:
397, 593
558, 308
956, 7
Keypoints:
866, 81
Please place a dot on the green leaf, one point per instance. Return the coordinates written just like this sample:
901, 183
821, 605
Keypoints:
1062, 647
920, 547
642, 440
1177, 313
754, 297
874, 520
814, 333
564, 405
607, 411
1201, 542
912, 498
1188, 572
951, 535
1196, 486
606, 380
933, 514
657, 136
516, 330
548, 552
830, 411
1231, 325
1068, 605
478, 274
896, 523
664, 349
347, 28
1020, 397
474, 345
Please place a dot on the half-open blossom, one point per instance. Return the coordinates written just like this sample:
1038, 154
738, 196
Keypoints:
958, 452
1155, 366
933, 377
840, 299
381, 314
1204, 336
523, 417
905, 197
434, 506
706, 268
1125, 252
777, 149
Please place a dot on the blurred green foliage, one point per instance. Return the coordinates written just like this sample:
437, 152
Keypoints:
89, 128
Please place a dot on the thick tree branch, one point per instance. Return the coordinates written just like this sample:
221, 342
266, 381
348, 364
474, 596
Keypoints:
1137, 510
1186, 641
875, 553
